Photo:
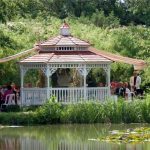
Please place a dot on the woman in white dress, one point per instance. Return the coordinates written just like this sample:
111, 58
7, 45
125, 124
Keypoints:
128, 93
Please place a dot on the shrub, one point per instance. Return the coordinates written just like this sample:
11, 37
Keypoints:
49, 113
17, 118
11, 108
146, 109
132, 112
99, 19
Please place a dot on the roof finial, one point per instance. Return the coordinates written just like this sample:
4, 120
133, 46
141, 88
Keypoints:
65, 24
64, 30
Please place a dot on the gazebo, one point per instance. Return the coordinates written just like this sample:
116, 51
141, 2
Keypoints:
61, 54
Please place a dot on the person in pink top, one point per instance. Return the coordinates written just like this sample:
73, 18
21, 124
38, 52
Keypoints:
15, 90
8, 91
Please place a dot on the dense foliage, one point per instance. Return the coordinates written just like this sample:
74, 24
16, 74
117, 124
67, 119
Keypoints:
102, 23
127, 11
89, 112
22, 34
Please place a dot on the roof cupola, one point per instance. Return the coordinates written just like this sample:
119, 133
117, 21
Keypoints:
63, 42
65, 29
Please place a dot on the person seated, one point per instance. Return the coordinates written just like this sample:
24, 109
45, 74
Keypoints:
15, 91
101, 84
117, 89
120, 90
7, 92
113, 88
140, 92
91, 81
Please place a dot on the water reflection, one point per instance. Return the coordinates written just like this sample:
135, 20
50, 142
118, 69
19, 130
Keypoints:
63, 137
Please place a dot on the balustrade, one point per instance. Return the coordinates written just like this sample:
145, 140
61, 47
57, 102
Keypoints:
38, 96
33, 96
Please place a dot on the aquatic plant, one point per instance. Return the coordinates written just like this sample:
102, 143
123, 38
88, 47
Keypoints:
127, 136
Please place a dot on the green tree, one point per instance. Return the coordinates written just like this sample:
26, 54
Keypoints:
7, 10
140, 11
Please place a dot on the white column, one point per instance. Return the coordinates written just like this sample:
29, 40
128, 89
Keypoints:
22, 78
22, 72
48, 82
85, 73
107, 71
81, 80
108, 80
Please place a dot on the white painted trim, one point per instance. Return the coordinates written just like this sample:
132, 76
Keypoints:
49, 69
37, 96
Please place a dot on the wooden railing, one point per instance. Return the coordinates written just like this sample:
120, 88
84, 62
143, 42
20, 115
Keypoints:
67, 95
97, 93
33, 96
38, 96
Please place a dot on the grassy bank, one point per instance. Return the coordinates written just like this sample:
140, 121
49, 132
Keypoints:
137, 111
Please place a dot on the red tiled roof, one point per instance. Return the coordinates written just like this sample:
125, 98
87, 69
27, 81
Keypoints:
64, 41
69, 57
38, 58
138, 63
91, 56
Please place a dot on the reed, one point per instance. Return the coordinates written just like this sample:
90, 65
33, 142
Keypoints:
137, 111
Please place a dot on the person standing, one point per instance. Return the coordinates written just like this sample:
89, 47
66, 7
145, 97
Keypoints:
135, 82
138, 89
128, 94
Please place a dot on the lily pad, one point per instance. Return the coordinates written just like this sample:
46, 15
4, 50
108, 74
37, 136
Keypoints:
127, 136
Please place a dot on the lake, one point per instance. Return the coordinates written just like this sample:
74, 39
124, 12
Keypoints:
65, 137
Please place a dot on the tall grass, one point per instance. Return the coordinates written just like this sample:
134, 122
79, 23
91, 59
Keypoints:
137, 111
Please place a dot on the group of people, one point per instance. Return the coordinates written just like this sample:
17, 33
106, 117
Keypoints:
6, 90
128, 89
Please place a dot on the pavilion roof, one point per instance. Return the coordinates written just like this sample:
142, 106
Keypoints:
64, 41
69, 57
86, 55
138, 63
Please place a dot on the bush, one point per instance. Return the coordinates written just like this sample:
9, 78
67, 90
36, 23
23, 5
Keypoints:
99, 19
49, 113
132, 112
14, 118
146, 109
11, 108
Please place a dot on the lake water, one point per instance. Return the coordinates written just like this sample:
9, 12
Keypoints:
64, 137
